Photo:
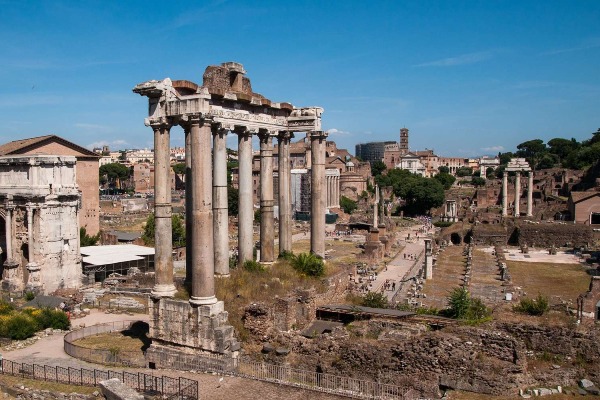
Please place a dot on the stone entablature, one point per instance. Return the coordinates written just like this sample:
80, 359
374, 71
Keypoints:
40, 202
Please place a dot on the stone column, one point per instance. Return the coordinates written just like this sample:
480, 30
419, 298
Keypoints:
189, 232
285, 193
245, 206
163, 259
267, 240
8, 233
328, 190
530, 194
505, 194
517, 193
337, 192
220, 219
317, 212
203, 267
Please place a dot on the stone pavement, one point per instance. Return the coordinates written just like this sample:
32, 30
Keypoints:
405, 265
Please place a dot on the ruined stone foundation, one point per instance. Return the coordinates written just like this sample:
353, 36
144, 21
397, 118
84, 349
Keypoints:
184, 335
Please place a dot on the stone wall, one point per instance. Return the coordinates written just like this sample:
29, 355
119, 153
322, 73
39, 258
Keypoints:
558, 235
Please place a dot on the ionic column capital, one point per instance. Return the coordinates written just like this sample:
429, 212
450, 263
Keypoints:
159, 123
285, 135
318, 135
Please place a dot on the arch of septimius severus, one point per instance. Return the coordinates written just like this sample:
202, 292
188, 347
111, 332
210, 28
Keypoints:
224, 103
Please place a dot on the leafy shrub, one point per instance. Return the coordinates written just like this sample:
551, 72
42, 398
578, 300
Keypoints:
348, 205
20, 326
537, 306
287, 255
442, 224
253, 266
375, 300
462, 306
6, 308
308, 264
48, 318
30, 295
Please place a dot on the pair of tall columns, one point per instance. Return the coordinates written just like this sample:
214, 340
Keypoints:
199, 226
246, 209
517, 194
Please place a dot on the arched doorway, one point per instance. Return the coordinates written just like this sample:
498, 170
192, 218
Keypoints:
455, 239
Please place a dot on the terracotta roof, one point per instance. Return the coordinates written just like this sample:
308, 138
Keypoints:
576, 197
24, 145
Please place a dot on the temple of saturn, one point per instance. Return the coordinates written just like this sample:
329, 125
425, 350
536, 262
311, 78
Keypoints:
224, 103
517, 165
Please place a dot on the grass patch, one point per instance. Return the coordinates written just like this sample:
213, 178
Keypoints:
12, 381
566, 281
130, 340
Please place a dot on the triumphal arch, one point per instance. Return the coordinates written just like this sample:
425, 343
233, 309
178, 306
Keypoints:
224, 103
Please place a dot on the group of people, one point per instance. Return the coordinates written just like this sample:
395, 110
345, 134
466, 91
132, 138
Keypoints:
339, 233
388, 285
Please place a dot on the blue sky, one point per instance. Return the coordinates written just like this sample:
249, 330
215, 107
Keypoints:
466, 77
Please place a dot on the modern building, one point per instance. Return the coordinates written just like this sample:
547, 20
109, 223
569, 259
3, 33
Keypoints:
374, 151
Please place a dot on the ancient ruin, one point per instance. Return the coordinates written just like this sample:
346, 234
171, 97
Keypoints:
39, 207
225, 102
517, 165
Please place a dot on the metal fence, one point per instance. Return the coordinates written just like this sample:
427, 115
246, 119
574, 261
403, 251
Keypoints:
113, 356
171, 388
284, 375
280, 374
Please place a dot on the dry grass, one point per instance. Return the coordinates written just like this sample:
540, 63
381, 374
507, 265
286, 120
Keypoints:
12, 381
556, 281
446, 276
243, 288
111, 341
460, 395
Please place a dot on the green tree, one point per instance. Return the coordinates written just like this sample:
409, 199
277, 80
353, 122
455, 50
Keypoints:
444, 170
348, 205
532, 150
114, 174
478, 181
178, 231
179, 169
445, 179
377, 168
464, 171
505, 157
374, 300
489, 173
87, 240
547, 160
233, 196
420, 194
562, 148
458, 302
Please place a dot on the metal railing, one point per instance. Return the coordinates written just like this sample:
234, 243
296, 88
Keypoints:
284, 375
113, 356
172, 388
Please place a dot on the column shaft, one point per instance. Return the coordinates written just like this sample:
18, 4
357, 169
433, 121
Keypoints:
530, 194
30, 234
517, 193
317, 214
505, 194
285, 194
267, 243
245, 207
8, 231
220, 219
203, 268
163, 259
189, 232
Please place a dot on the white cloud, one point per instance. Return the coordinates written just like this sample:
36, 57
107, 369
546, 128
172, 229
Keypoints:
588, 44
337, 132
493, 148
463, 59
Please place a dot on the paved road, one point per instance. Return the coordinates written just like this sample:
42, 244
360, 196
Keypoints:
406, 263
